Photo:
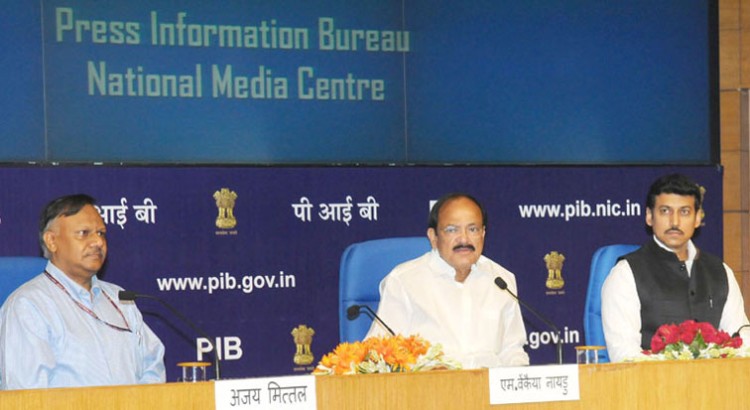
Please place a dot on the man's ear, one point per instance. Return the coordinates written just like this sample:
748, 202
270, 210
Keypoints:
432, 236
50, 240
698, 218
649, 217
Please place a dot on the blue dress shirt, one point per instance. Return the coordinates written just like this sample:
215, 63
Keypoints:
49, 340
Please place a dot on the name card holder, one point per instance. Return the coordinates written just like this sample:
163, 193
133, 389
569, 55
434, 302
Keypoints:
283, 393
532, 384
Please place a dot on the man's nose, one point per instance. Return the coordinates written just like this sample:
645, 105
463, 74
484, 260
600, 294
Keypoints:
674, 219
98, 240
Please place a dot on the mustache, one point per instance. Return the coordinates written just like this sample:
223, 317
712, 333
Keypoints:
459, 247
678, 230
95, 252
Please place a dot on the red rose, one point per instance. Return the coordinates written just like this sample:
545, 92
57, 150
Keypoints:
657, 343
734, 342
688, 329
665, 335
670, 333
710, 334
723, 337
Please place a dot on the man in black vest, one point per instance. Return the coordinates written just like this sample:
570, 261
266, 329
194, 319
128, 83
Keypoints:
668, 280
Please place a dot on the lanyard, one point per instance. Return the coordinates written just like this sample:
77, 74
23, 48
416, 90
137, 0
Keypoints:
91, 312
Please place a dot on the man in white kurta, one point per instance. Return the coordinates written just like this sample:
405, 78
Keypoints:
448, 296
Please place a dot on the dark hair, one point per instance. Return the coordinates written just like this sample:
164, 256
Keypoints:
432, 222
63, 206
674, 184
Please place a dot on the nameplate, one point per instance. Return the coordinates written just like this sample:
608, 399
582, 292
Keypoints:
284, 392
532, 384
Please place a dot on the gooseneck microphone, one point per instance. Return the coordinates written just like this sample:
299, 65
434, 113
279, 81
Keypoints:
132, 296
737, 333
500, 282
353, 312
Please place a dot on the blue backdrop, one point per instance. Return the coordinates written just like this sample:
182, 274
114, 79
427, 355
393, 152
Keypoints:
252, 283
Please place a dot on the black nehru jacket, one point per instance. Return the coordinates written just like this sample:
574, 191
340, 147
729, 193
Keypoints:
669, 296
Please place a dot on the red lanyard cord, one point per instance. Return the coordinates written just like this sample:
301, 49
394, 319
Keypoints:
91, 312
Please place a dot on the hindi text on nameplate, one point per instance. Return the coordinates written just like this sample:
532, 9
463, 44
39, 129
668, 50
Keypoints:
531, 384
283, 393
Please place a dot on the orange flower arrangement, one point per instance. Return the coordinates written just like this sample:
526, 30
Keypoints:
384, 355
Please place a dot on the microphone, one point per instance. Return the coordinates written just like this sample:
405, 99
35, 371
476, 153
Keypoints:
500, 282
353, 311
737, 333
132, 296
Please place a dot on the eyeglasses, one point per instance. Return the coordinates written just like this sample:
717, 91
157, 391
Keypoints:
452, 231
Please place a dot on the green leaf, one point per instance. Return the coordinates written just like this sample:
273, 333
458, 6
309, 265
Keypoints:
698, 344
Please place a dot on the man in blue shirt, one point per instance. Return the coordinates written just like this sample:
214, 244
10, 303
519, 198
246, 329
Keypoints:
65, 327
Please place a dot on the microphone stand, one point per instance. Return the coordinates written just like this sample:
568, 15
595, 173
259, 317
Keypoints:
354, 311
558, 345
737, 333
500, 282
128, 295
